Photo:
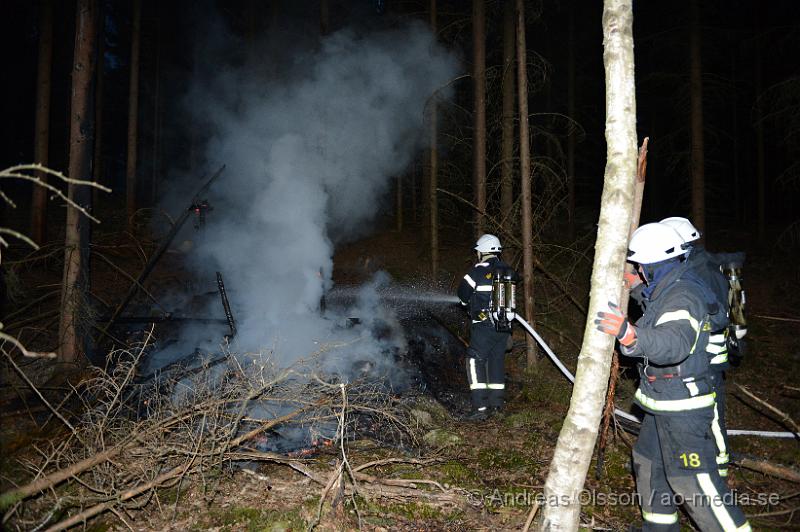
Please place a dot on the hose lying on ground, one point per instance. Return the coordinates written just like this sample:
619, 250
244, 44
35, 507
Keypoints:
625, 415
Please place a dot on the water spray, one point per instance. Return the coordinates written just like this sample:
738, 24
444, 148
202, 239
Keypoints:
397, 293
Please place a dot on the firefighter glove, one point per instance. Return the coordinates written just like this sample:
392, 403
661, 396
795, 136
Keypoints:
616, 324
632, 280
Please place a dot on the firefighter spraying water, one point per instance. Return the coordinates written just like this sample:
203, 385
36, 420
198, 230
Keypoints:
488, 291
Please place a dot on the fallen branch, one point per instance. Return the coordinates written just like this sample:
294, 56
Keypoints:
102, 507
768, 468
783, 417
531, 516
777, 318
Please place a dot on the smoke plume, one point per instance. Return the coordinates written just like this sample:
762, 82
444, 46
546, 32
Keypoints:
311, 148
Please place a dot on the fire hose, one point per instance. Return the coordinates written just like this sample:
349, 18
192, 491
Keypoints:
625, 415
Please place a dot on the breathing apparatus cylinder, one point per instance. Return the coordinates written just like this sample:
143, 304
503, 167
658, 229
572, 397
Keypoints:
736, 298
504, 299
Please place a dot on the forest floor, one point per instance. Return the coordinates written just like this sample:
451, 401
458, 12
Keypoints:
499, 464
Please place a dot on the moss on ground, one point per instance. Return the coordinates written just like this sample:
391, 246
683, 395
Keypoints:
254, 519
456, 473
509, 459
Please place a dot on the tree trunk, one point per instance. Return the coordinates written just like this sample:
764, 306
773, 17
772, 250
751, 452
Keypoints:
156, 155
433, 206
696, 101
576, 441
42, 136
525, 179
324, 18
507, 148
97, 165
133, 111
571, 114
76, 251
737, 184
761, 173
479, 103
413, 187
399, 205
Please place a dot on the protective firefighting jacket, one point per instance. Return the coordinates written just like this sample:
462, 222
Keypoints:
705, 269
671, 338
475, 289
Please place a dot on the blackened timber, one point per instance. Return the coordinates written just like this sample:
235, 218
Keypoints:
151, 263
226, 306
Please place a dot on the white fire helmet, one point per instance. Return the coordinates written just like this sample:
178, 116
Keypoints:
488, 244
684, 227
655, 242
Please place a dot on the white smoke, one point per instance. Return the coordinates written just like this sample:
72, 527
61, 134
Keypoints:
310, 152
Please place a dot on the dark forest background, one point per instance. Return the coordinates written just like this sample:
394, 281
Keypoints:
749, 81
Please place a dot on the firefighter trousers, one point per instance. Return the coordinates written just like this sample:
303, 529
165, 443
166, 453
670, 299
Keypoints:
486, 365
674, 461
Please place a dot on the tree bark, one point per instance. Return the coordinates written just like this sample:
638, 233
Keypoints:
324, 18
507, 148
479, 115
576, 440
433, 176
42, 136
737, 184
571, 114
761, 173
76, 252
413, 187
525, 180
156, 155
133, 111
97, 165
608, 410
696, 105
399, 204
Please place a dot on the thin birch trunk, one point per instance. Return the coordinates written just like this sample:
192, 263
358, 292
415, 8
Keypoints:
576, 440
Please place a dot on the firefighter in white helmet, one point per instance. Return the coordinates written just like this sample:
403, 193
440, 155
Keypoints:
487, 345
727, 339
675, 456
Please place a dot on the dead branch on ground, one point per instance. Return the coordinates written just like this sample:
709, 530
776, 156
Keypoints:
135, 437
783, 417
